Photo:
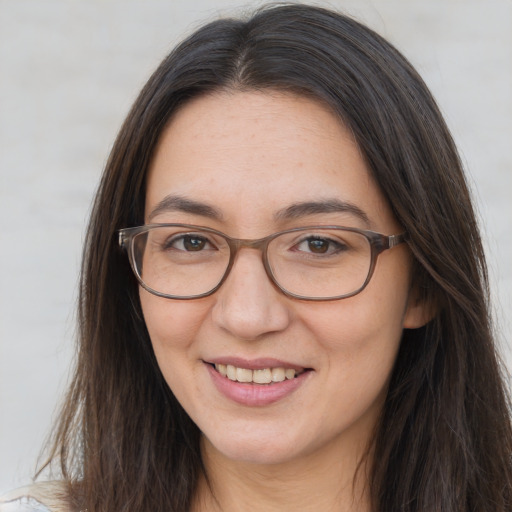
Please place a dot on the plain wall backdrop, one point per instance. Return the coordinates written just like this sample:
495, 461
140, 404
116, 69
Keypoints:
69, 71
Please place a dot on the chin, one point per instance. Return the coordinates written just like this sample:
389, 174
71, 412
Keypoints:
254, 450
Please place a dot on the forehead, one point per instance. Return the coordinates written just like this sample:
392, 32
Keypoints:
253, 153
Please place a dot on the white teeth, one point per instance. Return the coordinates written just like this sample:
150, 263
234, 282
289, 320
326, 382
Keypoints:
230, 372
243, 375
263, 376
278, 374
289, 373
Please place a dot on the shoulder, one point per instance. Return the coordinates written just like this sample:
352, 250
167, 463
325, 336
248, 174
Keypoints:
40, 497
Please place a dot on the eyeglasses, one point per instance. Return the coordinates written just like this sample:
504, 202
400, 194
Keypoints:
182, 261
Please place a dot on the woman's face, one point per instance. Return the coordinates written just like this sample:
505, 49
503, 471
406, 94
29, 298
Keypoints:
240, 160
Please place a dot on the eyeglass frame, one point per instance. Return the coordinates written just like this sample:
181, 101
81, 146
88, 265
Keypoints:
378, 244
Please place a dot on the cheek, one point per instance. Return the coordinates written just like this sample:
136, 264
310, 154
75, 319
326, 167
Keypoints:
360, 336
357, 321
360, 341
172, 325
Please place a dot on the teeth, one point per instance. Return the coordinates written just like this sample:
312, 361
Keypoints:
289, 374
230, 372
278, 374
264, 376
243, 375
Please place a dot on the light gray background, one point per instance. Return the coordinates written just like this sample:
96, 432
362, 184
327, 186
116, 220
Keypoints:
69, 70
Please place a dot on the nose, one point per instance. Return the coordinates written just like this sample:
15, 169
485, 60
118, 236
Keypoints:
248, 305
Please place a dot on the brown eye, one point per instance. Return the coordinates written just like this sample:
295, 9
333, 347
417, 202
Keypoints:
193, 243
188, 243
318, 246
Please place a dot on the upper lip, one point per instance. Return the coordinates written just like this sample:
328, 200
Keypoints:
255, 364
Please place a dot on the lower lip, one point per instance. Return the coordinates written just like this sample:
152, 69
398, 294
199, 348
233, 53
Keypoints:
255, 394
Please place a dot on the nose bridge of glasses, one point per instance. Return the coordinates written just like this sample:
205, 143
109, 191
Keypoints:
235, 245
259, 244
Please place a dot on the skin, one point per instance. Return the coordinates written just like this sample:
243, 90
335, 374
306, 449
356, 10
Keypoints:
249, 155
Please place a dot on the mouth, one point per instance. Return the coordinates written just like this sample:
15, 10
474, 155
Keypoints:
257, 382
271, 375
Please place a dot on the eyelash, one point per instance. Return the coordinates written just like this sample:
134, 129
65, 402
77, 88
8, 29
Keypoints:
181, 238
337, 246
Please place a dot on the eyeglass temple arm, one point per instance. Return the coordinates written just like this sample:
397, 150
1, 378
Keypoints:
394, 240
122, 239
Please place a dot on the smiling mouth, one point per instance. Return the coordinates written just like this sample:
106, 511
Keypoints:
261, 376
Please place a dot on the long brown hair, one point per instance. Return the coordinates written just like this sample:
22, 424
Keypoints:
444, 441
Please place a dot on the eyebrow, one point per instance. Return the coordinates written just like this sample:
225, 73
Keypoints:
304, 209
172, 203
180, 204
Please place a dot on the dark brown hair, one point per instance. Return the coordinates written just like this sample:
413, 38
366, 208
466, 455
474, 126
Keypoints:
444, 441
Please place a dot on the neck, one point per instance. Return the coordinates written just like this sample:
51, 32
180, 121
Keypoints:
325, 481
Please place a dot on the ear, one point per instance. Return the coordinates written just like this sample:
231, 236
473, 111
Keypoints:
420, 310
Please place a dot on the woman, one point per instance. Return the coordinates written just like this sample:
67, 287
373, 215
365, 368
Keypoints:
305, 323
